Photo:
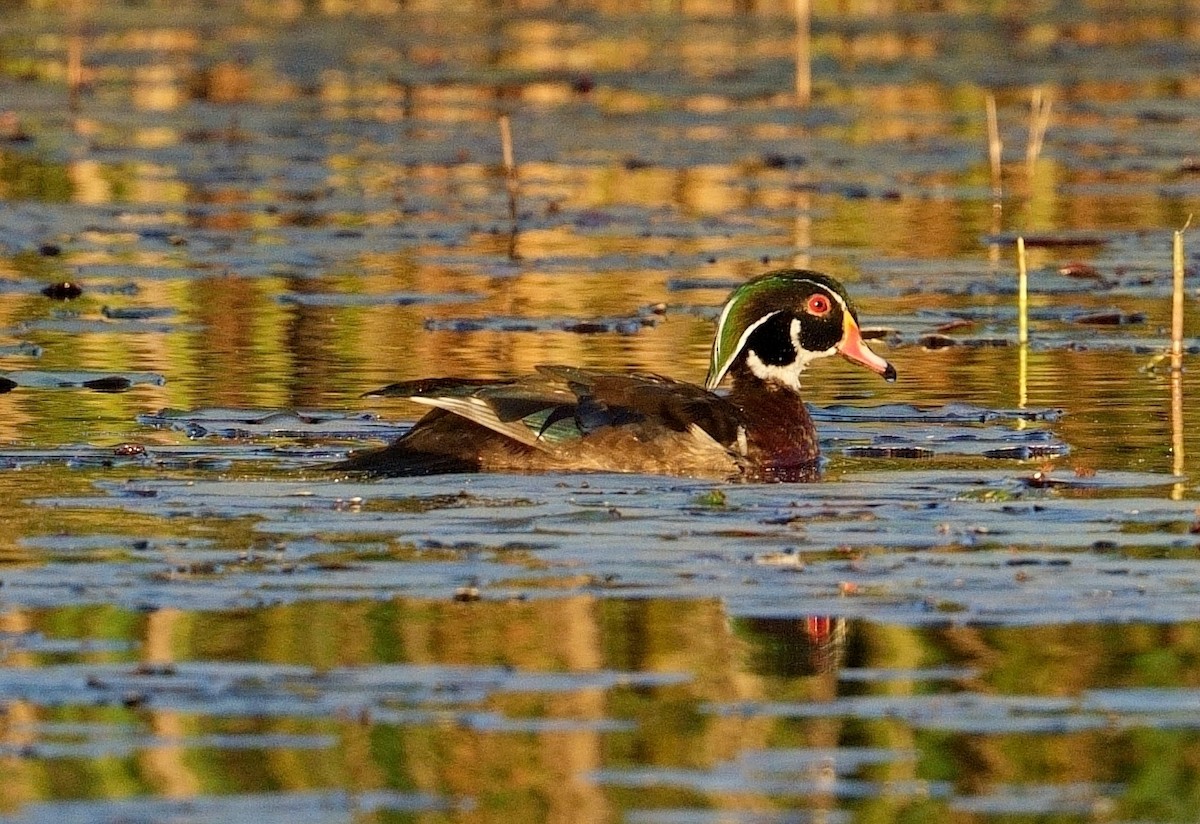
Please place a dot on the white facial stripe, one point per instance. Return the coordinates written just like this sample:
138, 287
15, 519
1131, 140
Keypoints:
719, 373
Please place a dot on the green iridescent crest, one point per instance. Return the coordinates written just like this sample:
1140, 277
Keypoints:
754, 302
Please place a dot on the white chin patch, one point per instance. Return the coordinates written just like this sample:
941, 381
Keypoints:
787, 374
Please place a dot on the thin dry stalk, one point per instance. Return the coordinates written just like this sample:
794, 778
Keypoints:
1039, 122
995, 147
510, 167
1022, 294
1177, 272
803, 52
74, 56
510, 183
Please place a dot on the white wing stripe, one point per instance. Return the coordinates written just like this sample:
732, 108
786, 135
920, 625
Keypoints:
480, 412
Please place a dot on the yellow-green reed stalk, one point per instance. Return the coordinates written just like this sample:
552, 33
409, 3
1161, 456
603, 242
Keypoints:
1022, 294
995, 160
1022, 327
1177, 464
1177, 429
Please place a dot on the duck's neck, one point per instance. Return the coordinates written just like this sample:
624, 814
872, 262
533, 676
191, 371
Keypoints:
780, 437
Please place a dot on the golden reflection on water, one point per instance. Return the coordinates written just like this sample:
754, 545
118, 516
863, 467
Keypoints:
649, 148
545, 776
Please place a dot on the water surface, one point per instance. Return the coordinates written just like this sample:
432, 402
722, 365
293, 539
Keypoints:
220, 226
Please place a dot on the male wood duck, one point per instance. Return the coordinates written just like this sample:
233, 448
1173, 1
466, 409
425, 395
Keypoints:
565, 418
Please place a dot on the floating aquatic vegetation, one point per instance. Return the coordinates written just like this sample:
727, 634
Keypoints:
590, 326
96, 381
268, 423
392, 298
266, 808
999, 568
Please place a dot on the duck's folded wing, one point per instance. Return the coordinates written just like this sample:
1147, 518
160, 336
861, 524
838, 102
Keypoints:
561, 404
532, 411
648, 402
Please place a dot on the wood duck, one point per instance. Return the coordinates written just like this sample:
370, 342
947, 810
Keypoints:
566, 418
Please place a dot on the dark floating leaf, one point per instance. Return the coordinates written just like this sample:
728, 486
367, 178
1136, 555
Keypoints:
593, 219
906, 413
136, 312
114, 383
687, 284
7, 385
953, 325
915, 452
389, 299
1050, 240
1159, 116
63, 291
937, 341
774, 160
586, 327
622, 326
1110, 317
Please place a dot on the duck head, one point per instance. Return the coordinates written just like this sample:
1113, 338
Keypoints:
780, 322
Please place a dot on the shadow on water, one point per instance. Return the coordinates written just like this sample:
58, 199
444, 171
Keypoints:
220, 226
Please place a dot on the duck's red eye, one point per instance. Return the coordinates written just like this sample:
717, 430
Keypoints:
818, 305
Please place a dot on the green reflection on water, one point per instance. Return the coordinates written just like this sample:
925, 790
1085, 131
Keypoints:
222, 160
540, 776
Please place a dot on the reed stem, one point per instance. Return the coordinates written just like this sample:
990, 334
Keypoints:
1177, 290
1039, 122
74, 56
510, 167
995, 148
1177, 275
1022, 294
803, 52
510, 184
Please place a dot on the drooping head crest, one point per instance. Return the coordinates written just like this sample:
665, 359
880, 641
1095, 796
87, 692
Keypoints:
755, 302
